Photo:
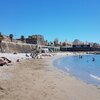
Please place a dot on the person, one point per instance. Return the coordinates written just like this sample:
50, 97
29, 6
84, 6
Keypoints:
93, 59
80, 57
27, 55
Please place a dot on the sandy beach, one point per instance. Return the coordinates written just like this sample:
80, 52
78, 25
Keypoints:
38, 79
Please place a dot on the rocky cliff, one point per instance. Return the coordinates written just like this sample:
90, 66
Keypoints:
10, 47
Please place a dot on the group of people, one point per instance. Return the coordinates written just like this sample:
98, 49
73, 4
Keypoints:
33, 54
80, 57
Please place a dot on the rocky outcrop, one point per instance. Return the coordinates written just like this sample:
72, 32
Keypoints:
10, 47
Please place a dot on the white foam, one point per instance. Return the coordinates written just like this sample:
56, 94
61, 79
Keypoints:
96, 77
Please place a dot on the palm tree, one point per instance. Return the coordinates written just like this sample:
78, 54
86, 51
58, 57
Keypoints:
11, 37
22, 38
1, 38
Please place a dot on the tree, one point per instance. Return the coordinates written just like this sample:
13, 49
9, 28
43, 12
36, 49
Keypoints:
11, 37
22, 38
50, 43
1, 38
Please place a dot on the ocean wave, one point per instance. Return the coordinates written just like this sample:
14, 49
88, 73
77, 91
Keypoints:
96, 77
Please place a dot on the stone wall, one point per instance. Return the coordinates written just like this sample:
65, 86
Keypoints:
10, 47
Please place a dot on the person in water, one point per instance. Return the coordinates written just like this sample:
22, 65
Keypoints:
80, 57
93, 59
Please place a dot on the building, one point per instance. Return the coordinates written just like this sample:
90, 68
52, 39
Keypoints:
65, 45
77, 42
81, 47
51, 48
35, 39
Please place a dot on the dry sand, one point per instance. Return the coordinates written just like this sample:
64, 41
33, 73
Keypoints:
37, 79
14, 57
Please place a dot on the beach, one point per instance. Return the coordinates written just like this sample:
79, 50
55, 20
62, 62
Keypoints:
38, 79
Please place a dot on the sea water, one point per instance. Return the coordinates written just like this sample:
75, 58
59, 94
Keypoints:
85, 67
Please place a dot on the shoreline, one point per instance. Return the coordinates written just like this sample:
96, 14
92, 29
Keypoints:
66, 74
66, 71
38, 79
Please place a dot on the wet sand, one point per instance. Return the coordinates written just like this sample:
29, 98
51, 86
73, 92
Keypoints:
37, 79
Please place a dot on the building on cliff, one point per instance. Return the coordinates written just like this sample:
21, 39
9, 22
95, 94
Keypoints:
35, 39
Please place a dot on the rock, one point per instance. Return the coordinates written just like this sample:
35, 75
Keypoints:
17, 60
2, 62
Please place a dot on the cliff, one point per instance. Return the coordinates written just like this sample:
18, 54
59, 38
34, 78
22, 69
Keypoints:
10, 47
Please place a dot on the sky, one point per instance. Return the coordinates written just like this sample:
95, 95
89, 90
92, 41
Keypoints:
62, 19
